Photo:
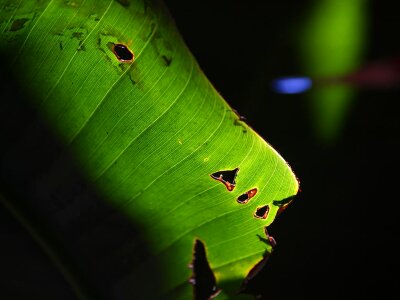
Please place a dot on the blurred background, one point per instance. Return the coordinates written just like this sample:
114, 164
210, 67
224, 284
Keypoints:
339, 239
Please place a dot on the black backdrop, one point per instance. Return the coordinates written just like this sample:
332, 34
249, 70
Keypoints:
340, 238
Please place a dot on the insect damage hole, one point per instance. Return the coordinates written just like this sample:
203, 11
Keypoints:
227, 178
123, 53
244, 198
203, 279
262, 212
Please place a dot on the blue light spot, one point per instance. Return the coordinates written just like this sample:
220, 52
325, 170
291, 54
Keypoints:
291, 85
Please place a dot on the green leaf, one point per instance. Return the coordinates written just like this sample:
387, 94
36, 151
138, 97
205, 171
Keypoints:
146, 134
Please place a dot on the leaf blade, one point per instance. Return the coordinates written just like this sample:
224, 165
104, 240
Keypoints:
149, 134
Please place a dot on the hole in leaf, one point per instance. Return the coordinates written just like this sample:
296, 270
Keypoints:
262, 212
244, 198
203, 279
122, 53
226, 177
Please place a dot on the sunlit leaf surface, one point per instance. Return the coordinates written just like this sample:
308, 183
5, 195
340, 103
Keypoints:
125, 96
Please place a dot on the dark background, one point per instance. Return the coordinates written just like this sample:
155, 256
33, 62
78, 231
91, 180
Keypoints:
340, 238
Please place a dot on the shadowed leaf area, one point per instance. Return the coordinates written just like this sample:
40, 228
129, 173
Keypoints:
113, 133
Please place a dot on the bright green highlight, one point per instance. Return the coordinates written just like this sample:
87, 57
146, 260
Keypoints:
148, 134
